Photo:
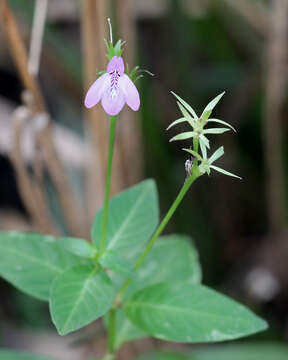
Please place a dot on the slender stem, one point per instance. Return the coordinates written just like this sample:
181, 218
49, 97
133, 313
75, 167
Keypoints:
164, 222
195, 144
195, 148
167, 217
113, 120
111, 330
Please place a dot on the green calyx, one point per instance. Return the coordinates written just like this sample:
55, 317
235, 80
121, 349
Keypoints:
114, 50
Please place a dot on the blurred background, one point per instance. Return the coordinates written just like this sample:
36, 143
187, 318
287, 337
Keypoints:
53, 153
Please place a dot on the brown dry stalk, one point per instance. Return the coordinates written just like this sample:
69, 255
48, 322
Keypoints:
54, 165
19, 54
32, 194
130, 139
276, 81
93, 34
57, 171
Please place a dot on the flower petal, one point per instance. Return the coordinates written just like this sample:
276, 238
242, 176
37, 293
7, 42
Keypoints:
130, 92
113, 104
96, 90
116, 64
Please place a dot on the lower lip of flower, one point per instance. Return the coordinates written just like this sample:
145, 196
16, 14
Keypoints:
114, 83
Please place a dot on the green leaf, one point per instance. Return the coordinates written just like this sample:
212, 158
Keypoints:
208, 109
222, 171
203, 148
216, 155
79, 296
181, 120
258, 351
32, 261
205, 141
216, 131
190, 313
113, 262
172, 259
186, 114
78, 247
125, 330
133, 216
222, 122
16, 355
192, 152
173, 249
186, 105
184, 136
167, 356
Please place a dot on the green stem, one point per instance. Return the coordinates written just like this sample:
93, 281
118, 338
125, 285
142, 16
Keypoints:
195, 144
195, 148
111, 330
164, 222
113, 120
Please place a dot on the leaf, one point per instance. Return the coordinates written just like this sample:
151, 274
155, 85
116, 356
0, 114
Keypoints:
133, 216
205, 141
173, 249
192, 152
216, 155
32, 261
16, 355
190, 313
184, 136
203, 148
79, 296
176, 122
216, 131
222, 171
222, 122
208, 109
78, 247
186, 105
167, 356
258, 351
125, 330
186, 114
113, 262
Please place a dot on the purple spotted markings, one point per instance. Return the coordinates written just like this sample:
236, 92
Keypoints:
114, 89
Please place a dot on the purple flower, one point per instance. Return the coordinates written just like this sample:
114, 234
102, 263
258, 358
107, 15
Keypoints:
114, 89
